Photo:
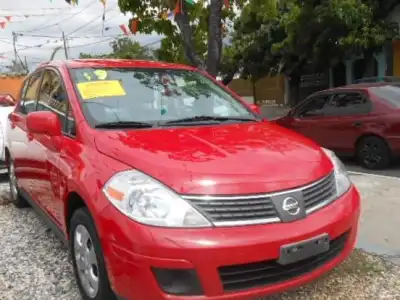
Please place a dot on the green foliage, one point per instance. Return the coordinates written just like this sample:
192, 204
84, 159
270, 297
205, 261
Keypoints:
286, 37
124, 48
187, 38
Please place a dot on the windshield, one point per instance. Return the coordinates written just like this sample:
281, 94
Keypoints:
153, 96
388, 93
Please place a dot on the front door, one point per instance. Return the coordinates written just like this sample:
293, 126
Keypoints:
52, 97
23, 149
307, 118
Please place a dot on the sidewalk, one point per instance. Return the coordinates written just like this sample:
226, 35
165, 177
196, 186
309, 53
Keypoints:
380, 211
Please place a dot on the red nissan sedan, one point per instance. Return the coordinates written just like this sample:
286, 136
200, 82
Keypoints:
360, 121
166, 185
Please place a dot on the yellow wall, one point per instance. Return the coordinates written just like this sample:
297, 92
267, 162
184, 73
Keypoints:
269, 90
396, 58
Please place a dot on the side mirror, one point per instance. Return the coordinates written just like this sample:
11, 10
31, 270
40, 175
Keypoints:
44, 122
255, 108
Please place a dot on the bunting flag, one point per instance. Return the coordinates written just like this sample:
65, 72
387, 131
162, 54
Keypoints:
178, 8
3, 24
134, 26
227, 3
8, 18
74, 2
103, 2
191, 2
123, 28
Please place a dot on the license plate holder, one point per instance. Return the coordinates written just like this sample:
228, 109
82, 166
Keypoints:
295, 252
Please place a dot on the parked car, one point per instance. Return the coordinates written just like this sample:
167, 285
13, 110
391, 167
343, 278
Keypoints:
356, 120
6, 107
160, 196
378, 79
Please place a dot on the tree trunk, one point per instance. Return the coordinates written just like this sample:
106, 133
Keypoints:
214, 37
369, 67
182, 20
294, 88
254, 87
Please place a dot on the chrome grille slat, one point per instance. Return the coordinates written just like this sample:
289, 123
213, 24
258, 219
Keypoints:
226, 210
318, 195
321, 192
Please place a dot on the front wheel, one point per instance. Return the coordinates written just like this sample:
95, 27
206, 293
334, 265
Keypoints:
373, 153
87, 257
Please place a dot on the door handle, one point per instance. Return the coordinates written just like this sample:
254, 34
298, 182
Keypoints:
30, 137
357, 124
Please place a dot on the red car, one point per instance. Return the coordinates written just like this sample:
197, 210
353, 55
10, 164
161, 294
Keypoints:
360, 120
166, 185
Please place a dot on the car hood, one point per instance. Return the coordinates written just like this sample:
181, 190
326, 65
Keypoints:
224, 159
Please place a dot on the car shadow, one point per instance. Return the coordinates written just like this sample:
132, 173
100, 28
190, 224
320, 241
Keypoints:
393, 170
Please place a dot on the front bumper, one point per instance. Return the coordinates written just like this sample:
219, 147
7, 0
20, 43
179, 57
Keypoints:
131, 250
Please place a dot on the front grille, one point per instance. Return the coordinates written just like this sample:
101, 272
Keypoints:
223, 210
316, 195
246, 276
260, 209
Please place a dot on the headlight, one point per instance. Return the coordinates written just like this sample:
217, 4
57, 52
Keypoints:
342, 178
147, 201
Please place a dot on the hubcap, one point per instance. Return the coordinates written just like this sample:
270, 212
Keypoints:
13, 182
371, 154
86, 261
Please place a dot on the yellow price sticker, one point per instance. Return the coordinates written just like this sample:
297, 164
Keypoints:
96, 89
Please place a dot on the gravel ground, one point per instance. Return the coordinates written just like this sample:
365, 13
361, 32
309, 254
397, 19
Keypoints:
35, 266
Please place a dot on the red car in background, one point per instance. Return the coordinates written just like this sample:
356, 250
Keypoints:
166, 185
361, 120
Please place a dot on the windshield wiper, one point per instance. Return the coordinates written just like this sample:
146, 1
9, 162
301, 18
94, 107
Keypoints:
124, 124
208, 118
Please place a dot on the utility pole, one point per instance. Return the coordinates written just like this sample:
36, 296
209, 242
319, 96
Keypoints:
14, 45
65, 45
16, 52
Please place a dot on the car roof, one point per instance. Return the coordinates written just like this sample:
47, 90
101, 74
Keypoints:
114, 63
357, 86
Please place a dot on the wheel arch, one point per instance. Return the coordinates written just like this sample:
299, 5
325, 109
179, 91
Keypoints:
73, 202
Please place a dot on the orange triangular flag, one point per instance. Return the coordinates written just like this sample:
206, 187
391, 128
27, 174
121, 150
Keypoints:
8, 18
3, 24
178, 8
227, 3
134, 26
123, 28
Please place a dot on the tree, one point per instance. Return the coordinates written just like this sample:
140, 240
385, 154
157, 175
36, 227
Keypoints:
198, 28
124, 48
291, 36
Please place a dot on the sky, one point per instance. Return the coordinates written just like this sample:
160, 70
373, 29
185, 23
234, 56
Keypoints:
39, 25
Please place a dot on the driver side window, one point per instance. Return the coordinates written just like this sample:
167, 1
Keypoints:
314, 107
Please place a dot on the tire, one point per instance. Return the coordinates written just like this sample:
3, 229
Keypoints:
83, 237
373, 153
15, 195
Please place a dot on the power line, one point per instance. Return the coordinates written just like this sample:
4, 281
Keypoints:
71, 37
40, 8
43, 26
95, 25
89, 22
